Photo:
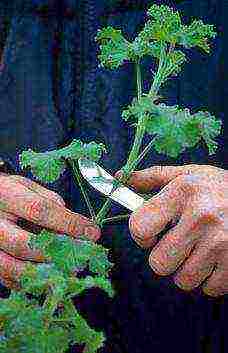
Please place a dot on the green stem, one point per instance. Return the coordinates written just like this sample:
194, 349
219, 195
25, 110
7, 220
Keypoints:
134, 151
140, 131
116, 218
102, 213
51, 303
139, 80
142, 154
134, 157
159, 75
77, 176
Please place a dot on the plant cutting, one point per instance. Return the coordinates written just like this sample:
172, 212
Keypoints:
40, 317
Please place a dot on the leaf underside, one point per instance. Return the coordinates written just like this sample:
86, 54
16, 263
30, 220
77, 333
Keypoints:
28, 326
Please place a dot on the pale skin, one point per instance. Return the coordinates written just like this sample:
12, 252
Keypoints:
21, 197
195, 250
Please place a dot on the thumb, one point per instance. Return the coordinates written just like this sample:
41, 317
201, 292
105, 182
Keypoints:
156, 176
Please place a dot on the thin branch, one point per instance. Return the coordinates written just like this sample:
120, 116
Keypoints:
142, 154
116, 218
77, 178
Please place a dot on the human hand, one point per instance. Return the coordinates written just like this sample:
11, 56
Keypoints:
21, 197
197, 247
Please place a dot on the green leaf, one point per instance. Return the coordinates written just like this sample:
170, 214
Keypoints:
98, 262
78, 285
93, 340
196, 35
55, 340
210, 128
177, 129
28, 327
69, 254
138, 107
164, 25
48, 166
173, 64
44, 167
38, 279
114, 48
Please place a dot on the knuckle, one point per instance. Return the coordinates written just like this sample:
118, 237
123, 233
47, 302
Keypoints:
190, 183
56, 198
210, 212
157, 267
135, 227
138, 234
206, 210
72, 225
184, 286
219, 240
185, 280
36, 209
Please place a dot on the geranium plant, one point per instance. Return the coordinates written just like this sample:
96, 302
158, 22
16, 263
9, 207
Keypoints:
40, 317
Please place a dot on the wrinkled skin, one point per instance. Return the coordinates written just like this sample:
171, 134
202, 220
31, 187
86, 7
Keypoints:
195, 251
21, 197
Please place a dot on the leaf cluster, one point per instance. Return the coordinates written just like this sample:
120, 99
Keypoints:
49, 166
163, 27
49, 325
41, 317
175, 128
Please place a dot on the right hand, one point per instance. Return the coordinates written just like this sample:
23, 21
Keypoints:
21, 197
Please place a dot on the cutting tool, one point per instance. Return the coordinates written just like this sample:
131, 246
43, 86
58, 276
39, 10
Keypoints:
102, 181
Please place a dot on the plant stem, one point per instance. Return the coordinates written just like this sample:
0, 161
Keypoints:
102, 213
158, 77
77, 176
139, 80
134, 151
134, 157
116, 218
140, 131
51, 303
142, 154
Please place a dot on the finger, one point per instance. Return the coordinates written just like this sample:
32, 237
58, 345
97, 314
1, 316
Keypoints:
10, 270
176, 245
217, 283
6, 215
24, 203
32, 185
15, 241
157, 176
149, 220
198, 266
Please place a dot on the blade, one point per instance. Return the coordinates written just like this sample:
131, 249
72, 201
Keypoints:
103, 182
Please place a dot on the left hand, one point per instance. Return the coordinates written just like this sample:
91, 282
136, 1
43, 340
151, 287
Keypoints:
197, 247
22, 198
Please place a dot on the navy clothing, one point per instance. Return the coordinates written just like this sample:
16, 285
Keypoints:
51, 91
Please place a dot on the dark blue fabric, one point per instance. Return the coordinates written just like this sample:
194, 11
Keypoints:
51, 90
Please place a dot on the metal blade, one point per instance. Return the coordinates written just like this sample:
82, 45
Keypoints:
103, 182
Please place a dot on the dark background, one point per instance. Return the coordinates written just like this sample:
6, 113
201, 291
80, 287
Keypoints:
51, 91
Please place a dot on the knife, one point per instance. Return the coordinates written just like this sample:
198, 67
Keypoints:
102, 181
